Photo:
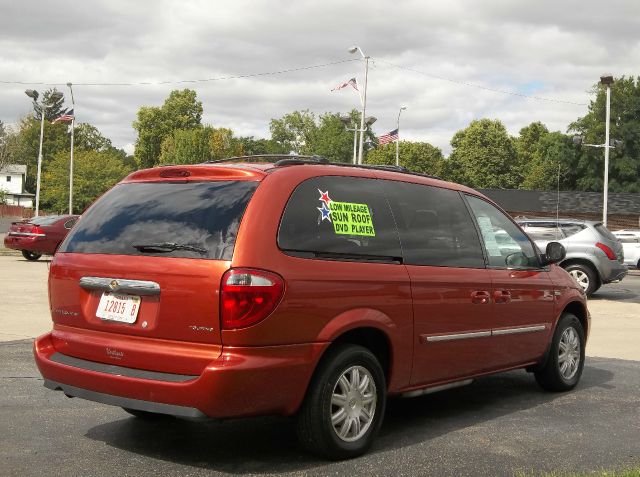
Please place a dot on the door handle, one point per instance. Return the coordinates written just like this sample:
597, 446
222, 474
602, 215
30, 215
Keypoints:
480, 297
501, 296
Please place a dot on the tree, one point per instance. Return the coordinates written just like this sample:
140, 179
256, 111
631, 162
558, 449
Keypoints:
94, 173
294, 132
252, 146
419, 157
554, 154
180, 110
5, 148
192, 146
88, 138
53, 109
483, 156
625, 126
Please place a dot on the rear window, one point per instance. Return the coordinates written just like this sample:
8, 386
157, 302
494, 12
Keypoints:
572, 229
337, 217
44, 220
602, 230
201, 217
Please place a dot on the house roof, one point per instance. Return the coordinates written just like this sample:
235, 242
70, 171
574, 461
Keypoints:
14, 169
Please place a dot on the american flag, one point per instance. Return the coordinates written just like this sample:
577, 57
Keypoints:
352, 82
389, 137
64, 117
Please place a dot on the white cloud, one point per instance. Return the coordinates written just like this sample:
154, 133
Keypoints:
546, 48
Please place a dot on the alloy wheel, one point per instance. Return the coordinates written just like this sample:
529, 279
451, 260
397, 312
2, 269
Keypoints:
581, 277
569, 353
353, 403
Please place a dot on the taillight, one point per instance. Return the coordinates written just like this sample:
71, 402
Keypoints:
248, 296
607, 251
36, 231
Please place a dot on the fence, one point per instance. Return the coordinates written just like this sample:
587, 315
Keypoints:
15, 211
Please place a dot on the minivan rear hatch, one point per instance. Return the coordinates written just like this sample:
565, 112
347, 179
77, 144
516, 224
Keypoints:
147, 259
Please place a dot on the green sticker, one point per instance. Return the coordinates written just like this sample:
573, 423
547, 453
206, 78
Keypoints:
350, 218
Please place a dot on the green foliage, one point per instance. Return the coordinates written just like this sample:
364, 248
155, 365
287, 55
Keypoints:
625, 125
294, 132
554, 153
252, 146
94, 173
181, 110
483, 156
419, 157
88, 138
192, 146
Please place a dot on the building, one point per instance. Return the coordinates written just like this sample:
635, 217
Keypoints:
12, 181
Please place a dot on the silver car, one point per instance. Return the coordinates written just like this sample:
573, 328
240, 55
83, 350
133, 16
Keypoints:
595, 256
630, 240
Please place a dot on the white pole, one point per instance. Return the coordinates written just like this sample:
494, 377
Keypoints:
42, 111
355, 145
364, 107
606, 157
73, 126
398, 140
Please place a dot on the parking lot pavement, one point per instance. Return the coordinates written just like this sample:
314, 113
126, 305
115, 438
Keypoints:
496, 426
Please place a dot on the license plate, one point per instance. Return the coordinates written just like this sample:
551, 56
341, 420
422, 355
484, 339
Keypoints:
118, 307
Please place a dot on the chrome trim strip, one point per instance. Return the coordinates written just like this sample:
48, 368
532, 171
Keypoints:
457, 336
129, 403
435, 389
25, 234
122, 285
120, 370
515, 331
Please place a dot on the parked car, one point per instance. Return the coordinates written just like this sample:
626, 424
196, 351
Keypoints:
594, 256
301, 288
39, 235
630, 240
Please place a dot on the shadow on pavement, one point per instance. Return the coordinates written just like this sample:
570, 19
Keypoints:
262, 445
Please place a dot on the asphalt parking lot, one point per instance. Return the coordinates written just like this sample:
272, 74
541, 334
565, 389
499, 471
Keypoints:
498, 425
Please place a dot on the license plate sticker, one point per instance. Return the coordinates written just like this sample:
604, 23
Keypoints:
118, 307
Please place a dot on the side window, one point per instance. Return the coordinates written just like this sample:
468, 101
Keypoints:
69, 223
506, 245
435, 226
332, 215
572, 229
544, 231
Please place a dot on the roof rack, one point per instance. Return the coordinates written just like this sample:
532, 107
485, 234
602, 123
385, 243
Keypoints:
261, 158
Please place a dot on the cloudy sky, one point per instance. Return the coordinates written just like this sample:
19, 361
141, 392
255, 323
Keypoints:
440, 59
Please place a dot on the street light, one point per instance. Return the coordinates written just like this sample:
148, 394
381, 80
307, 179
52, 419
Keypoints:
402, 108
42, 107
73, 124
346, 119
353, 50
605, 80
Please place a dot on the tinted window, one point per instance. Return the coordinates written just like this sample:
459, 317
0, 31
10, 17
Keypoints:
435, 226
605, 232
339, 215
506, 245
69, 223
205, 215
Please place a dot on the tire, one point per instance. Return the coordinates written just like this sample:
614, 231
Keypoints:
585, 276
31, 256
147, 415
567, 348
343, 366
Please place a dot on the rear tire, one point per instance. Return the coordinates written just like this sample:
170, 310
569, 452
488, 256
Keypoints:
147, 415
345, 404
31, 256
585, 276
565, 361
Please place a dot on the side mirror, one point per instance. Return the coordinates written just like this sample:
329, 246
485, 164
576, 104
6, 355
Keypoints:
554, 253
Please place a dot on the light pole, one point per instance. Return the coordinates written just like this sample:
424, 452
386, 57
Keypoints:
402, 108
347, 122
33, 94
606, 80
352, 50
73, 125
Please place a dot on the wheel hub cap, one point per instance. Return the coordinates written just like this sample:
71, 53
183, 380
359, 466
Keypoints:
353, 403
580, 277
569, 353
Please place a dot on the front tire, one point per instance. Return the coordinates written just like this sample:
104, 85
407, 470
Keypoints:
345, 404
565, 361
585, 277
31, 256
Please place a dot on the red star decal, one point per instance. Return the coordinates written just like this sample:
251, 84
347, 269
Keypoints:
324, 197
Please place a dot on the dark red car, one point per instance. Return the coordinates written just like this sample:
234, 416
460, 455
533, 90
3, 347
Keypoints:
301, 288
40, 235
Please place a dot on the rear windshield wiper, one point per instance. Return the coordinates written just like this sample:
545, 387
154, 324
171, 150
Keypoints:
166, 247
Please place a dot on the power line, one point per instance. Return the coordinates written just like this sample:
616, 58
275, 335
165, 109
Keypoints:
156, 83
477, 86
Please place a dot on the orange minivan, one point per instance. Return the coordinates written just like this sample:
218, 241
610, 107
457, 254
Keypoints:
293, 286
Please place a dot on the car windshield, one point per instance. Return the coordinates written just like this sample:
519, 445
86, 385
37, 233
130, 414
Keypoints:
170, 219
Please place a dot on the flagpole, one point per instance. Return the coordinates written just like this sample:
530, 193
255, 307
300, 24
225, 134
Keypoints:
73, 126
402, 108
353, 49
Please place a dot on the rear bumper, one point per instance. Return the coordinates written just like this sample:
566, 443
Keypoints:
240, 382
614, 271
32, 244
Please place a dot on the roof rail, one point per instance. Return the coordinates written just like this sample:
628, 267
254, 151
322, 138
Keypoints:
258, 158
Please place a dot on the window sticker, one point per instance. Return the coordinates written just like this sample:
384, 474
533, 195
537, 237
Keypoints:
348, 218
